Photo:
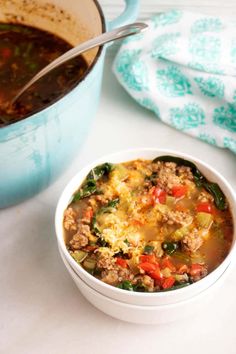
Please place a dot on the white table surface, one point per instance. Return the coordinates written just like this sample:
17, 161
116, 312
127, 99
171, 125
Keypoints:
41, 309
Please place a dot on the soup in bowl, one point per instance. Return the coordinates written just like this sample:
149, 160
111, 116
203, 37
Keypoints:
147, 226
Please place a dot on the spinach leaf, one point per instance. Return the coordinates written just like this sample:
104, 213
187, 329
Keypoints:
86, 190
152, 178
89, 186
217, 193
105, 209
199, 178
97, 172
110, 205
170, 247
94, 227
125, 285
148, 249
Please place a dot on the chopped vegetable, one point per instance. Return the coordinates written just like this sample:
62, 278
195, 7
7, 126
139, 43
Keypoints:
121, 262
148, 267
99, 171
150, 258
148, 249
159, 195
178, 286
109, 207
156, 274
204, 219
179, 191
152, 178
79, 256
180, 233
125, 285
166, 263
86, 190
170, 247
89, 263
196, 269
205, 207
168, 283
170, 201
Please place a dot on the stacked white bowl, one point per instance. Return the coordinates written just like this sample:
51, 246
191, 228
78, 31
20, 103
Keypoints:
138, 307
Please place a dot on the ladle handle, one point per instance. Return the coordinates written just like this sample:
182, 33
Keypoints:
106, 37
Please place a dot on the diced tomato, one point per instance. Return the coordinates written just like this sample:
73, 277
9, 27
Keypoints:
166, 263
205, 207
136, 222
159, 195
90, 248
88, 214
196, 269
157, 275
148, 267
5, 53
121, 262
149, 258
146, 200
168, 282
179, 191
182, 268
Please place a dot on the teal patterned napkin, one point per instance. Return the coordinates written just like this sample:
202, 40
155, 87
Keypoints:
183, 68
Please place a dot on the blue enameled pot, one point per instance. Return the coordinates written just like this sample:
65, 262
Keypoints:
35, 150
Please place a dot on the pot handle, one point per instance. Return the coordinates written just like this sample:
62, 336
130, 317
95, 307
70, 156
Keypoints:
129, 15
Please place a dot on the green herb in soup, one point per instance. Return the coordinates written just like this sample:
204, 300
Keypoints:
148, 225
24, 51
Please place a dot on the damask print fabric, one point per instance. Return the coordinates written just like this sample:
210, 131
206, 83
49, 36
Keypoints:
183, 68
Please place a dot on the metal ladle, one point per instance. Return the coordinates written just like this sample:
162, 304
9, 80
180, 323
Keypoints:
106, 37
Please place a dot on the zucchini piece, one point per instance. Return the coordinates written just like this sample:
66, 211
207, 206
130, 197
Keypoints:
79, 256
182, 257
89, 264
179, 233
204, 219
170, 201
166, 272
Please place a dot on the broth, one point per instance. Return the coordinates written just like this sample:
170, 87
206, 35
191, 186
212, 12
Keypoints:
24, 51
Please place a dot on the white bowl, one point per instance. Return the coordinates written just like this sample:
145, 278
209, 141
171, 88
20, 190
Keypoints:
146, 314
135, 298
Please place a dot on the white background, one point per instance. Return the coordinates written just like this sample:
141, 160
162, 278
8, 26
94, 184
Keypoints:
148, 7
41, 310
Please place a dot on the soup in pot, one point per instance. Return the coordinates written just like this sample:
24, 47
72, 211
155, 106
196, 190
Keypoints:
24, 51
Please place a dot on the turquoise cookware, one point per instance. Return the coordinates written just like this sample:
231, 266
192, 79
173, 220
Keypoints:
35, 151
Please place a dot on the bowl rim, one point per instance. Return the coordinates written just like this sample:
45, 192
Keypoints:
74, 275
81, 174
